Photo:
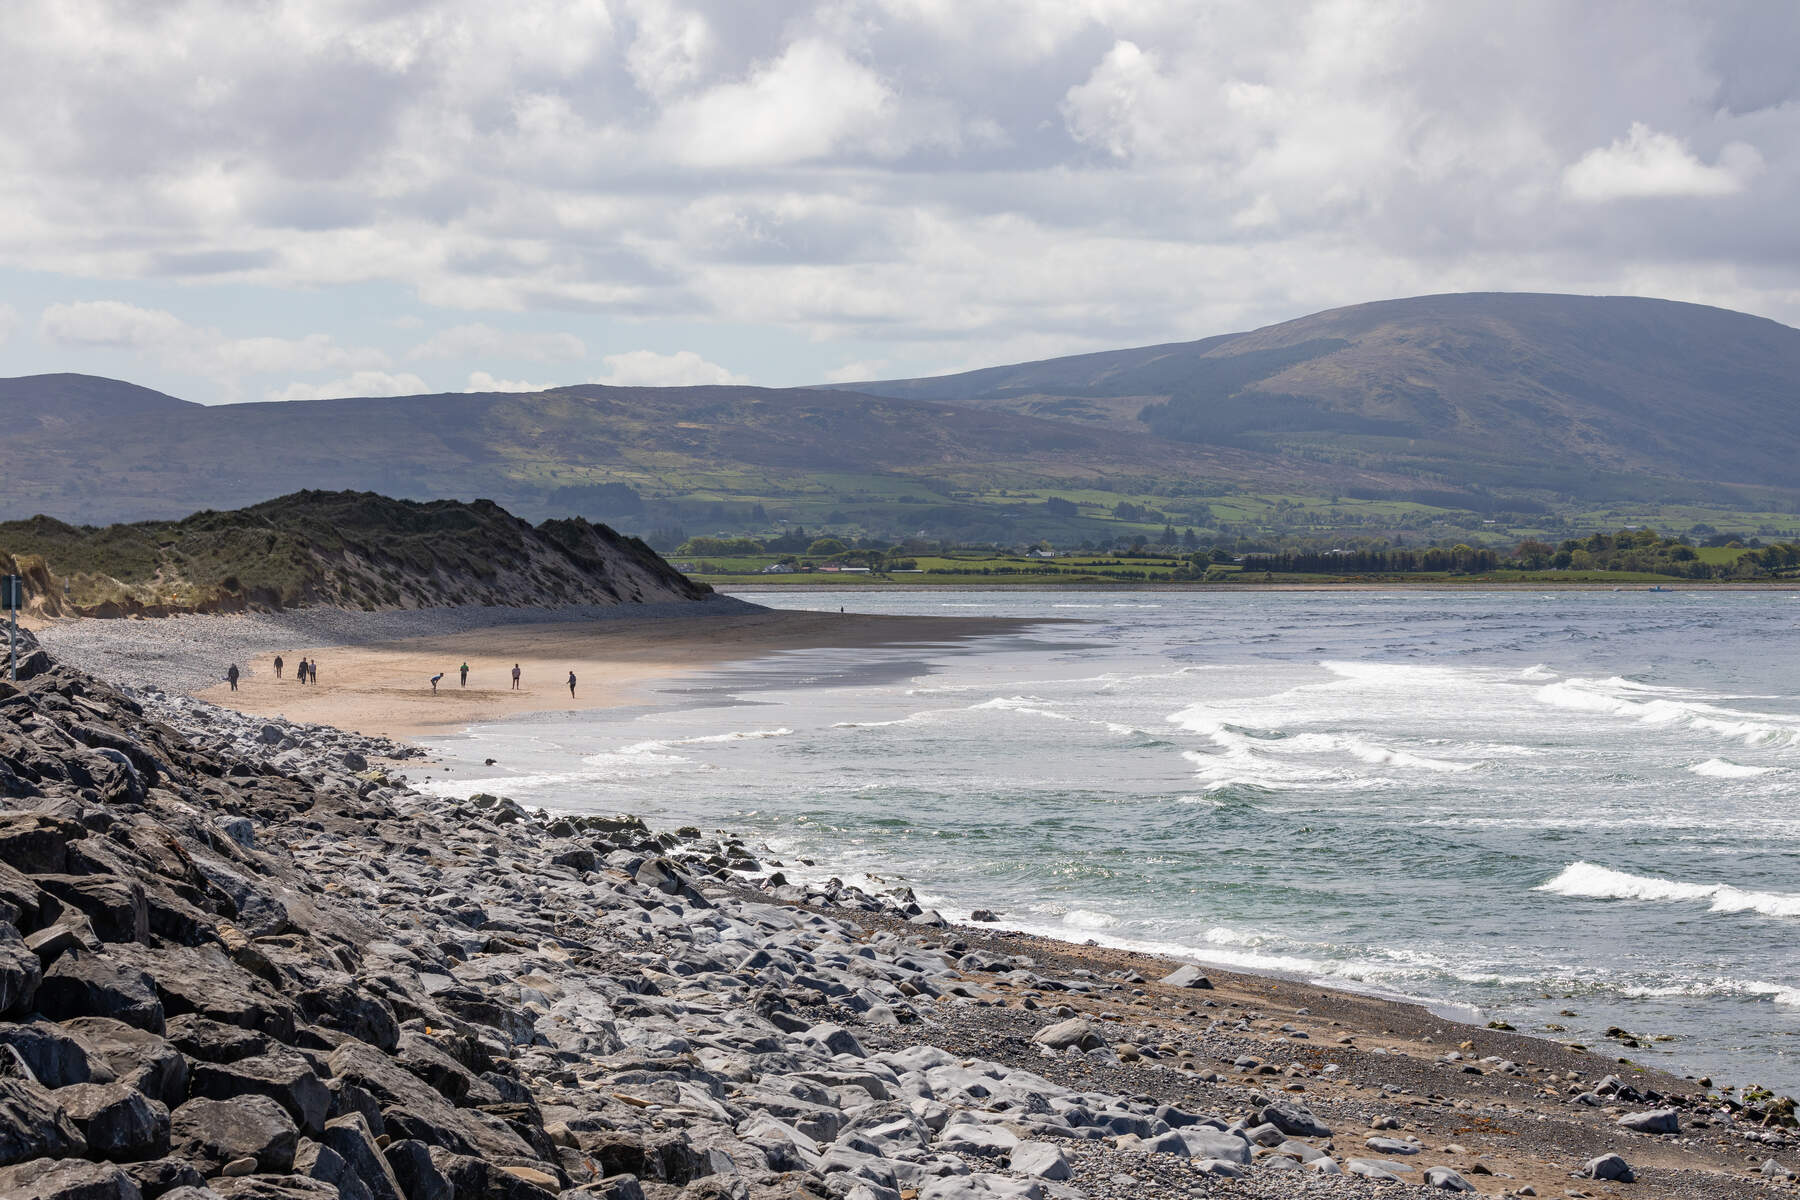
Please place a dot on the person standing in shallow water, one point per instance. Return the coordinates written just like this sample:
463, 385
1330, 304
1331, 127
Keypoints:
465, 675
434, 682
278, 666
515, 677
571, 685
231, 674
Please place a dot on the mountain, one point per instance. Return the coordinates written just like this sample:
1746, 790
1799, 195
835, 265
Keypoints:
1481, 403
337, 549
1584, 395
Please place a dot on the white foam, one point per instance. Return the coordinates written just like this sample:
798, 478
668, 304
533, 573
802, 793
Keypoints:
1087, 918
1718, 768
1588, 881
1650, 705
1537, 672
1029, 705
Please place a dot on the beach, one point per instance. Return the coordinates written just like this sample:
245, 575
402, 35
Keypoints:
374, 670
714, 1017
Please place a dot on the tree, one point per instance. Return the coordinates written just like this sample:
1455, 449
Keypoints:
1058, 507
825, 547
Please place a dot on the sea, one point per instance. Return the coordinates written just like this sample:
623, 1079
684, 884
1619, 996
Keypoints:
1568, 811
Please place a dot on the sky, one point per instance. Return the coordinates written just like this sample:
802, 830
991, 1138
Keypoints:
289, 199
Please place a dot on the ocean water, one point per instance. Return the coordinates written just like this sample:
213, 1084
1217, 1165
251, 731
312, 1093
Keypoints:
1506, 804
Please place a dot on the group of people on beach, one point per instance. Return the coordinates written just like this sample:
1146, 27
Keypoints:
463, 679
306, 672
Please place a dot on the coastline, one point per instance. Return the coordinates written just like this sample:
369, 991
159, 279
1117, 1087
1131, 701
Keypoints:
756, 587
1293, 1087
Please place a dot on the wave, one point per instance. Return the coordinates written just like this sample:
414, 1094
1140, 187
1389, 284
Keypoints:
1588, 881
1020, 704
1718, 768
1651, 705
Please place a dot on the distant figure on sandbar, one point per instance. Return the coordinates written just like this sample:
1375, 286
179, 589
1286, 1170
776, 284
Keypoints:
571, 685
515, 677
232, 675
465, 675
434, 682
278, 666
312, 672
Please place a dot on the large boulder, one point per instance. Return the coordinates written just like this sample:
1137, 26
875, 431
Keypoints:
352, 1139
220, 1131
115, 907
34, 1125
1187, 977
80, 984
67, 1179
57, 1059
1608, 1166
1295, 1120
283, 1075
1073, 1032
139, 1058
38, 843
118, 1122
1660, 1120
20, 973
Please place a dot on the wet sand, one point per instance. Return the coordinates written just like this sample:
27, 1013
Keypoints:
384, 687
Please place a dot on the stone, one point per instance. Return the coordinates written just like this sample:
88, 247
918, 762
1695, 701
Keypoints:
55, 1058
1187, 977
160, 1175
238, 1167
1295, 1120
411, 1164
1040, 1159
1660, 1120
221, 1131
1447, 1179
283, 1075
34, 1125
67, 1179
328, 1166
275, 1187
119, 1122
115, 907
1384, 1145
1205, 1142
1073, 1032
20, 973
1369, 1170
80, 984
37, 843
137, 1057
1607, 1166
351, 1137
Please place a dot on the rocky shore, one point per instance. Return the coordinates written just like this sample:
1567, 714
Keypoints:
241, 959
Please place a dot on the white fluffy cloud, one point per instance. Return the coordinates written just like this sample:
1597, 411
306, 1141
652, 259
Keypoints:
646, 368
933, 183
9, 317
357, 383
1647, 163
481, 381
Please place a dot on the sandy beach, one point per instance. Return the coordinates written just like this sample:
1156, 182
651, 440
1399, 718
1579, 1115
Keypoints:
383, 688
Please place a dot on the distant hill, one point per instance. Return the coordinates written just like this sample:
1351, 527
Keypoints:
338, 549
1587, 396
1482, 404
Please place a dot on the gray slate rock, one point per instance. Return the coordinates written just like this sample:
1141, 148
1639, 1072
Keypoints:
1188, 977
57, 1059
219, 1131
1040, 1159
1447, 1179
351, 1137
1608, 1166
1295, 1120
1073, 1032
67, 1179
20, 973
118, 1121
34, 1125
80, 984
282, 1075
1660, 1120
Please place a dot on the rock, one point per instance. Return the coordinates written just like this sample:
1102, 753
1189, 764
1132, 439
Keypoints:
984, 915
1041, 1159
274, 1187
411, 1164
67, 1179
138, 1058
238, 1167
1382, 1145
34, 1125
1774, 1170
1660, 1120
115, 907
118, 1121
1447, 1179
55, 1058
1369, 1170
221, 1131
1607, 1166
350, 1137
1073, 1032
37, 843
1221, 1168
835, 1039
80, 984
1205, 1142
1187, 977
161, 1175
20, 973
1295, 1120
282, 1075
328, 1166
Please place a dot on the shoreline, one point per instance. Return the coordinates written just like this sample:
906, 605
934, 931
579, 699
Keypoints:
374, 683
734, 589
557, 936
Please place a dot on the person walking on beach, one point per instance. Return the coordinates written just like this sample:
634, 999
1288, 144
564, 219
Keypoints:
515, 677
278, 666
232, 675
312, 672
571, 685
465, 675
434, 682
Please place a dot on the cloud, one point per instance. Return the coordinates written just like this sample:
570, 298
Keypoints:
164, 338
9, 317
646, 368
481, 381
359, 383
856, 372
484, 341
1647, 163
